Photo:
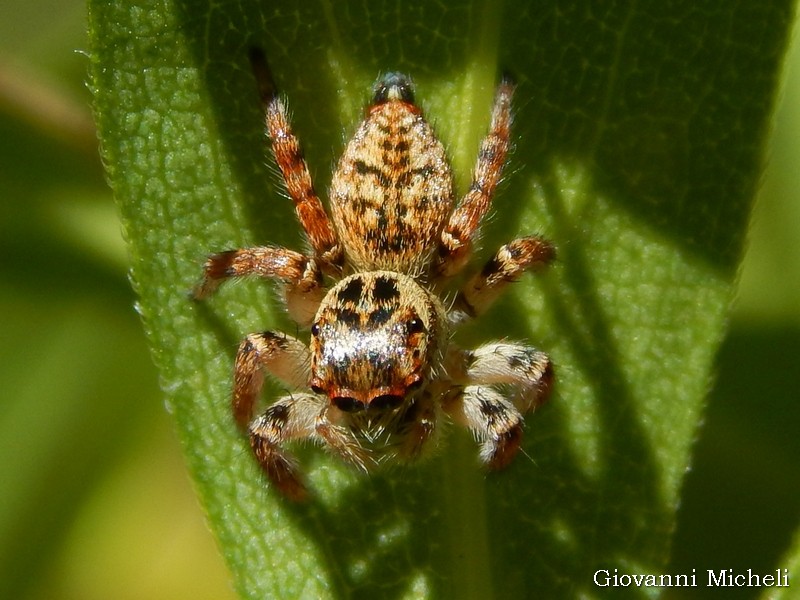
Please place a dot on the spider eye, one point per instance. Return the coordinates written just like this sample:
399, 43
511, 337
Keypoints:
347, 404
386, 401
315, 329
416, 325
415, 384
393, 86
316, 385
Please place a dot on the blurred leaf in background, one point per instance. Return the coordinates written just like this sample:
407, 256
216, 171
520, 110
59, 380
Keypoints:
94, 500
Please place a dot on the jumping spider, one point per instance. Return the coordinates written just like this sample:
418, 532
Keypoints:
380, 372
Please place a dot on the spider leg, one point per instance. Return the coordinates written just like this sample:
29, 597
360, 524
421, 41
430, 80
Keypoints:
293, 167
494, 421
297, 417
332, 428
291, 417
301, 274
455, 244
281, 355
308, 206
495, 418
506, 266
526, 370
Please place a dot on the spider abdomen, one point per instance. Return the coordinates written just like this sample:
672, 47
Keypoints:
393, 188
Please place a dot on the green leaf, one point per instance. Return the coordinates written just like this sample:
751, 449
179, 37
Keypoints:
639, 141
788, 571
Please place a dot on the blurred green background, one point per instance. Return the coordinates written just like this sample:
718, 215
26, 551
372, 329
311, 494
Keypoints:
94, 499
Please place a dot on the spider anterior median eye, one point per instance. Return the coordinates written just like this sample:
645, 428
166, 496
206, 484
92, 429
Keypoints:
347, 404
315, 329
386, 401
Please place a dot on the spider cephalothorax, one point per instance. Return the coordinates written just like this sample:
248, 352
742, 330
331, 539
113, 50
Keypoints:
374, 340
379, 372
